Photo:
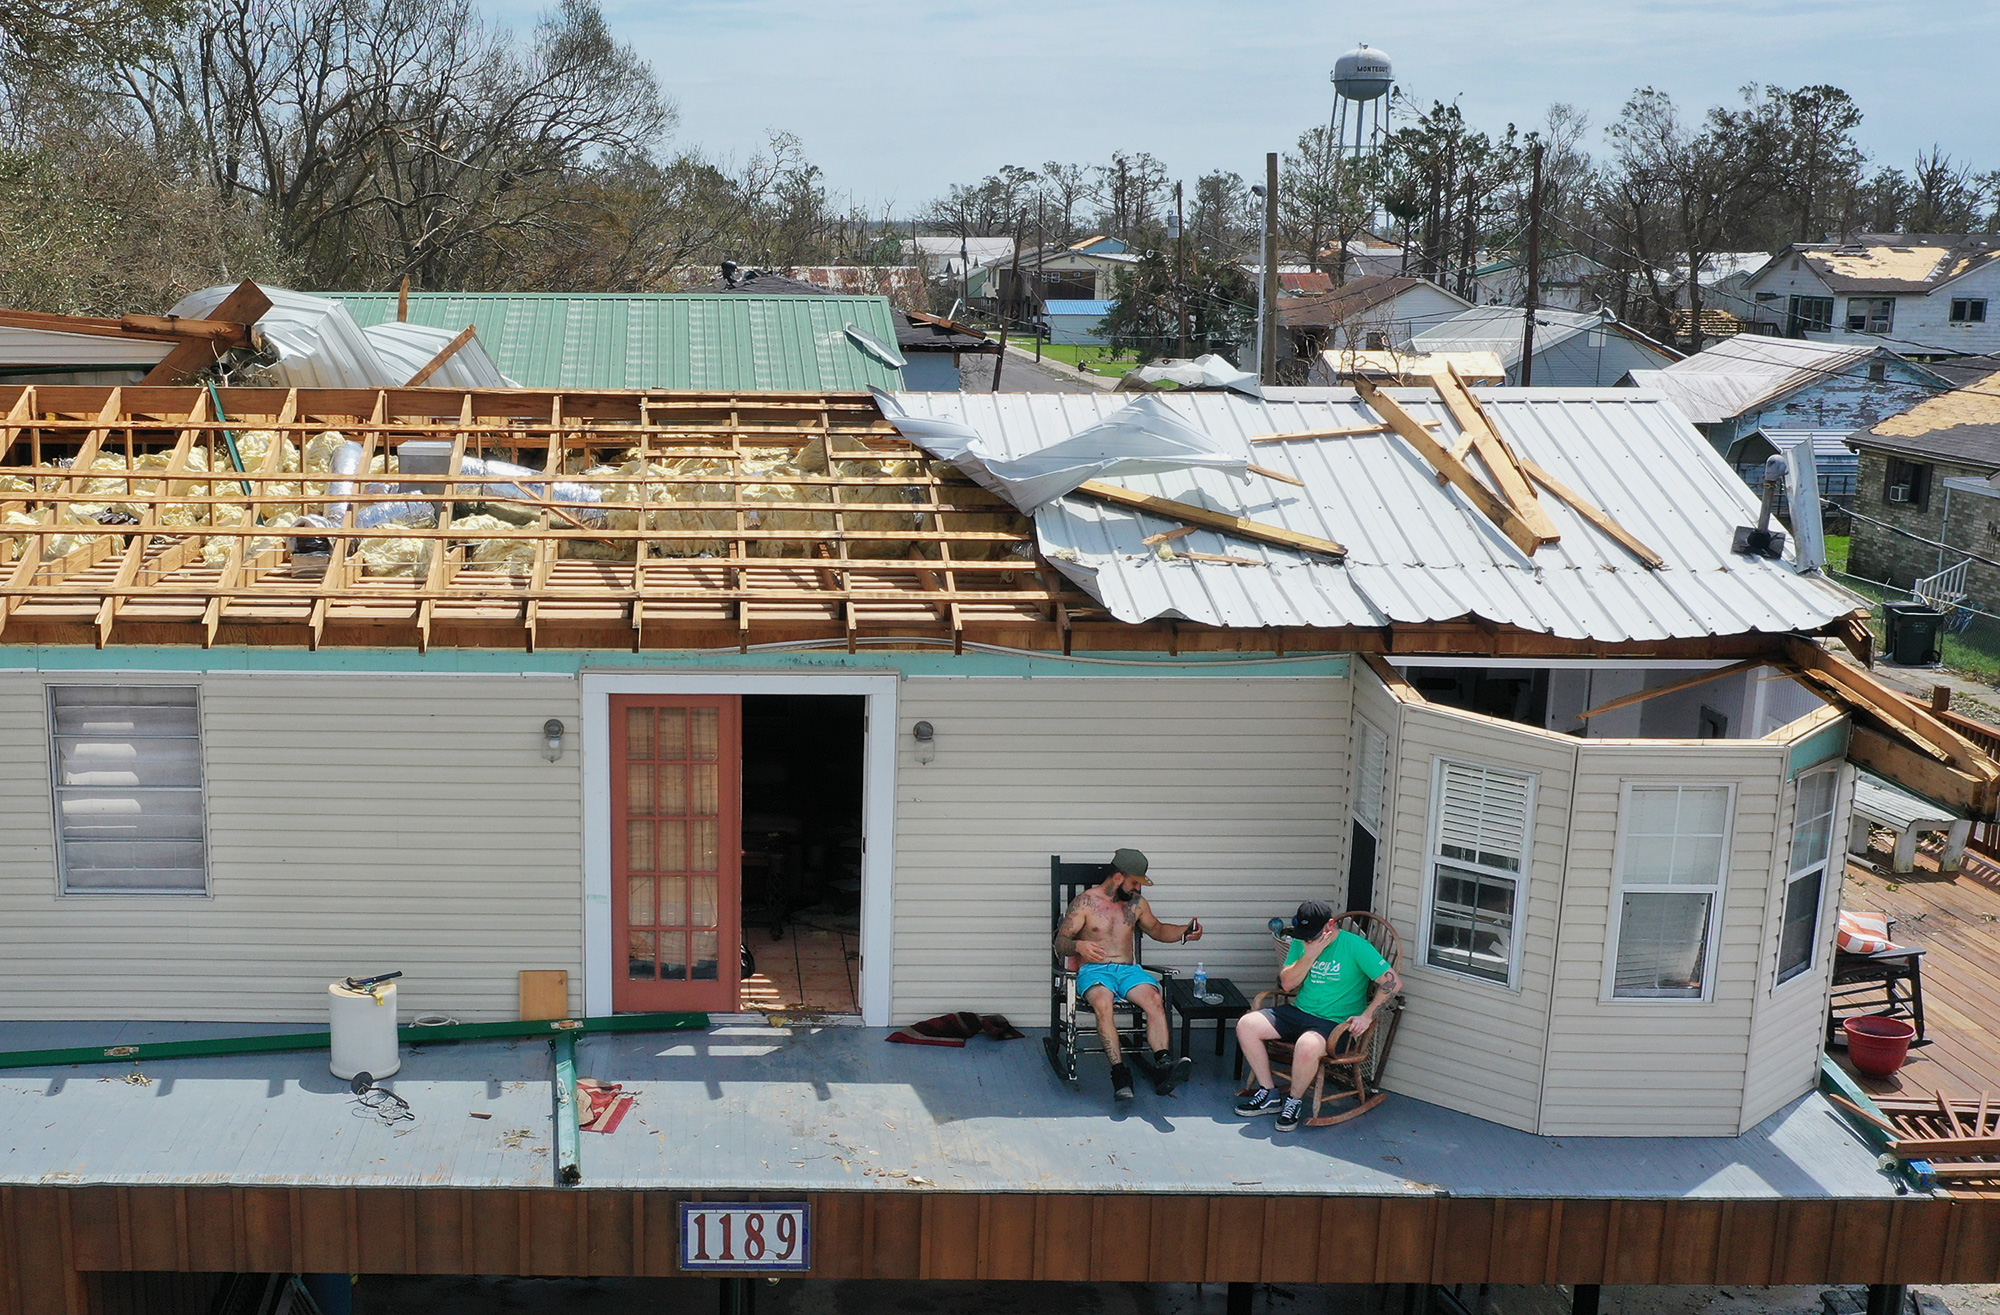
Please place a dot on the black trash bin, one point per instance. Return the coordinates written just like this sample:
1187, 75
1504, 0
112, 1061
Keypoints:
1915, 633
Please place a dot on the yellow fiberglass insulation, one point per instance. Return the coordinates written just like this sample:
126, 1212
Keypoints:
171, 513
516, 556
215, 552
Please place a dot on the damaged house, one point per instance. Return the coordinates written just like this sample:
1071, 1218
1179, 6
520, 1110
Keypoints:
302, 683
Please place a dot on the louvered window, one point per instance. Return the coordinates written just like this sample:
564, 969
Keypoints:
1481, 852
1371, 776
1670, 890
128, 789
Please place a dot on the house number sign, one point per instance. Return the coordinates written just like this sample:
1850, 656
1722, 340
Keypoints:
758, 1236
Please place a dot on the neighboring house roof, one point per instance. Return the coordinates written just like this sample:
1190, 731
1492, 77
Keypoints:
661, 340
1417, 549
1100, 245
1497, 329
1831, 454
1305, 283
1962, 425
1722, 265
1097, 308
1341, 364
1897, 262
915, 331
949, 244
1748, 371
1966, 370
1354, 298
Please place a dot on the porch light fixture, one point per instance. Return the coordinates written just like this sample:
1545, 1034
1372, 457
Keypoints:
926, 737
552, 739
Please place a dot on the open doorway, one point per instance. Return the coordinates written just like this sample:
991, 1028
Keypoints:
802, 826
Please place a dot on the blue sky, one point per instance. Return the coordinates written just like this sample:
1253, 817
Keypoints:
895, 100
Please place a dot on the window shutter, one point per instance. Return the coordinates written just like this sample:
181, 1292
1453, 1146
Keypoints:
1484, 816
1371, 777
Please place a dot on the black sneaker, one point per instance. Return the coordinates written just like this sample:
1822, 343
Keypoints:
1289, 1116
1121, 1082
1172, 1075
1264, 1100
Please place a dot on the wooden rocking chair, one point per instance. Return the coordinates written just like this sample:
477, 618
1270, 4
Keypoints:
1359, 1071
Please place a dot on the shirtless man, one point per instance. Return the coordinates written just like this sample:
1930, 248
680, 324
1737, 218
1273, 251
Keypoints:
1099, 930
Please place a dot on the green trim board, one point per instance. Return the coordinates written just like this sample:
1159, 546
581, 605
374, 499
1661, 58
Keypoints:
410, 1036
1823, 745
569, 1160
1836, 1080
513, 662
735, 342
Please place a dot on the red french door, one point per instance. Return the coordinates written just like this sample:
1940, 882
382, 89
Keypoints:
676, 851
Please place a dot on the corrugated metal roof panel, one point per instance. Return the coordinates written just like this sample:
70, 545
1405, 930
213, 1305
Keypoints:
1418, 551
729, 341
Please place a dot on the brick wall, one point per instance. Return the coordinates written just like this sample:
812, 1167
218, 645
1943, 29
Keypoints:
1878, 554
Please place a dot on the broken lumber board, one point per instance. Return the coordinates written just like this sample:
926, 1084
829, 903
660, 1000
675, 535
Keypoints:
1169, 509
445, 353
1456, 472
1594, 514
1671, 687
1496, 452
245, 305
1339, 431
1278, 475
1861, 688
1167, 536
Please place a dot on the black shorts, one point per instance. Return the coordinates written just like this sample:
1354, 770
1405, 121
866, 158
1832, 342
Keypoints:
1293, 1022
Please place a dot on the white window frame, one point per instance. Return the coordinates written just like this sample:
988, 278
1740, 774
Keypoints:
1834, 844
56, 788
1433, 856
1719, 892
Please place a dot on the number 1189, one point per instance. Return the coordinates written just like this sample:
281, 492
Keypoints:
754, 1237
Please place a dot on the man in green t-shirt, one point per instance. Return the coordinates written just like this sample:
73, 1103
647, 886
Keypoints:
1329, 973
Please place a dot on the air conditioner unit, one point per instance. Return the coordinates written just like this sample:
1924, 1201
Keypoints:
1899, 493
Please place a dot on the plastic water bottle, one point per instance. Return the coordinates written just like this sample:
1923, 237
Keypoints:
1200, 982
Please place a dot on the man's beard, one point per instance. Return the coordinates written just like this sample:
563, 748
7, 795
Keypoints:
1125, 896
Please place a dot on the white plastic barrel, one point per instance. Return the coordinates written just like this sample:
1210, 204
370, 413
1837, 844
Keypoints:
363, 1024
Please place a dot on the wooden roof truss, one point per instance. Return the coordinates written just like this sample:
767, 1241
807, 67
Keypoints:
858, 552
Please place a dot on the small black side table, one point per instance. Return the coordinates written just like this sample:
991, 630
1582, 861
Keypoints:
1180, 998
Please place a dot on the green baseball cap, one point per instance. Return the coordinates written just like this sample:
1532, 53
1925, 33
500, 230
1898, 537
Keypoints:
1132, 863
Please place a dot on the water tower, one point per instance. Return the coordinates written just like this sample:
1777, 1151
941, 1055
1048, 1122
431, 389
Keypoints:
1362, 80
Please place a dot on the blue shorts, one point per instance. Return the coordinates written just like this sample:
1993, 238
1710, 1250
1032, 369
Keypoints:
1121, 978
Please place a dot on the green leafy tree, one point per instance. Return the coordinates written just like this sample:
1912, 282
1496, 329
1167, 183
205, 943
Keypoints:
1145, 315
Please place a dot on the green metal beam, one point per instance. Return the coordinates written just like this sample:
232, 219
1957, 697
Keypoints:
569, 1164
411, 1036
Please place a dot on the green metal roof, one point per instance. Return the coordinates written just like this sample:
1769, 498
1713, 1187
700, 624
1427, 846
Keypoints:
726, 341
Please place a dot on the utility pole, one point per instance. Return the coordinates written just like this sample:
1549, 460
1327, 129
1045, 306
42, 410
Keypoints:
1011, 300
1534, 271
1267, 329
1180, 265
1041, 284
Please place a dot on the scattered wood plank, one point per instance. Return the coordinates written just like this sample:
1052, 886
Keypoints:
1219, 557
1169, 509
1277, 475
1168, 536
1451, 468
1496, 452
246, 305
1584, 508
445, 353
1671, 687
1340, 431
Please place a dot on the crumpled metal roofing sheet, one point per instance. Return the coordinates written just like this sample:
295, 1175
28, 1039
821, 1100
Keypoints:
1418, 551
408, 348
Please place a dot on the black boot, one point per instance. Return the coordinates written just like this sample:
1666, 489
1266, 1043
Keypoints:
1121, 1082
1170, 1072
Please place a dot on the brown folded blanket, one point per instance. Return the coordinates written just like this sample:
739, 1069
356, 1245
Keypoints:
956, 1030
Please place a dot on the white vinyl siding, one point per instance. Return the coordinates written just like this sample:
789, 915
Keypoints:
1805, 882
1467, 1044
126, 765
1671, 863
1235, 789
1476, 868
356, 824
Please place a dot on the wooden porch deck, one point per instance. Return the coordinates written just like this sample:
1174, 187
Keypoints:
1956, 918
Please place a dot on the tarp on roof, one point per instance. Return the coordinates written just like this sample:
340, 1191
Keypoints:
1417, 549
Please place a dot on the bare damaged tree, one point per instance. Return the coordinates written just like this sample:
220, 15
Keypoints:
391, 139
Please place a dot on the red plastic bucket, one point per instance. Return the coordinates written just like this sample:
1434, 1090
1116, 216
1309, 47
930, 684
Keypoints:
1878, 1046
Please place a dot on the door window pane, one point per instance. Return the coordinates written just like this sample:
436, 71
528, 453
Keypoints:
705, 796
703, 846
639, 856
705, 734
706, 964
673, 734
638, 734
639, 789
639, 955
639, 902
